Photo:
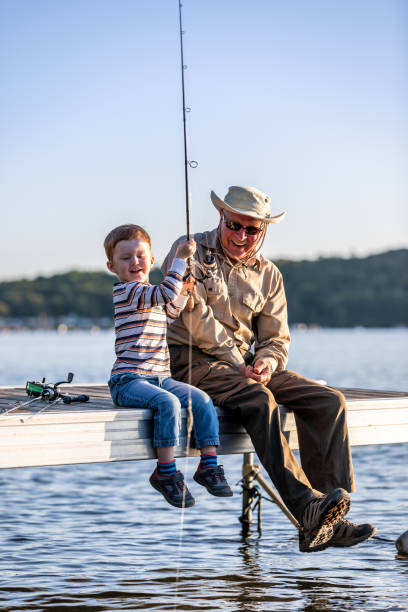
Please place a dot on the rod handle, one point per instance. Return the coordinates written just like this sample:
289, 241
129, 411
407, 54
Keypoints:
69, 399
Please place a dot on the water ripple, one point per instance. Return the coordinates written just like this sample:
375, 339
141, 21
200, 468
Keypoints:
95, 537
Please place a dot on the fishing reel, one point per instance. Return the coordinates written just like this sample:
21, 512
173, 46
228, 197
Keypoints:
47, 392
50, 392
44, 391
199, 272
210, 264
205, 269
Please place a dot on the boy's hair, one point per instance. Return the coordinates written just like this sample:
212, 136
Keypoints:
124, 232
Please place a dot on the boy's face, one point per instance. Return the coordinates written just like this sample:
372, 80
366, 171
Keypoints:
131, 261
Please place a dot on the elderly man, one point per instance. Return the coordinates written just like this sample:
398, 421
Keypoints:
240, 338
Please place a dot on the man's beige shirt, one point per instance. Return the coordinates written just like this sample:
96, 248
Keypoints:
239, 307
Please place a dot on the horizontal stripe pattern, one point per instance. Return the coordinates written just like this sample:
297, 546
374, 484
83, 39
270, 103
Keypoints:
141, 316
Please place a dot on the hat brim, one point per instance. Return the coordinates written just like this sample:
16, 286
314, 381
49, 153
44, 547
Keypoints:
221, 205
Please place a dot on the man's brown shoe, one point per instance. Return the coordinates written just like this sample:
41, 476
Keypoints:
319, 518
346, 533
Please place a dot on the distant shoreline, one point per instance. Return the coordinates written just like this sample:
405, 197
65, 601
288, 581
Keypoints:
333, 292
94, 328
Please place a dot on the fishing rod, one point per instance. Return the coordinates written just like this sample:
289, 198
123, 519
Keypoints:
187, 163
47, 392
190, 300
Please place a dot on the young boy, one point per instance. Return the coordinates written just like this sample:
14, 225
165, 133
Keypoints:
141, 377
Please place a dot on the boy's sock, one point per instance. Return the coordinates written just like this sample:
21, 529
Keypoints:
166, 468
208, 460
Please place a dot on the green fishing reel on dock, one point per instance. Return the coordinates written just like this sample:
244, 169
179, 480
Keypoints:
50, 391
47, 392
34, 389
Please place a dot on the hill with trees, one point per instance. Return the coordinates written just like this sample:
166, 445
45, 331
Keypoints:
332, 292
335, 292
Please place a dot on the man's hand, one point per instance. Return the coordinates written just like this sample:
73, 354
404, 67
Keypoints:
244, 370
260, 371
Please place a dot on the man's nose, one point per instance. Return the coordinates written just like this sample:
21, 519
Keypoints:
242, 233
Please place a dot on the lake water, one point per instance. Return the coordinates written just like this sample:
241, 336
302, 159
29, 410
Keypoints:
97, 537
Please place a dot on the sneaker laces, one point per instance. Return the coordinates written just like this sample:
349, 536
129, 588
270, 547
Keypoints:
218, 474
347, 525
311, 513
179, 483
344, 521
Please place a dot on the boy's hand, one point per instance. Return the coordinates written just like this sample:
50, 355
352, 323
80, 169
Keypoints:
188, 286
186, 249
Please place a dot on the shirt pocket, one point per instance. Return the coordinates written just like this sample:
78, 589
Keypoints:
214, 287
253, 300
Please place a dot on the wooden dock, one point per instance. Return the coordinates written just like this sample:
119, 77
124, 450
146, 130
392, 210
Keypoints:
98, 431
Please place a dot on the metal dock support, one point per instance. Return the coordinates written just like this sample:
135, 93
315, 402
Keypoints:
251, 497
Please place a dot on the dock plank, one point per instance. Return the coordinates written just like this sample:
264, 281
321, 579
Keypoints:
98, 431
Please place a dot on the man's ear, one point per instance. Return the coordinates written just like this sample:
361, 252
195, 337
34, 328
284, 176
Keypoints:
109, 265
151, 260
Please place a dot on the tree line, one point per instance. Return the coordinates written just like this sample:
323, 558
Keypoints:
330, 291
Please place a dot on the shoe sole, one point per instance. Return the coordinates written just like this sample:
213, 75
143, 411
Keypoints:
212, 492
156, 486
338, 504
356, 541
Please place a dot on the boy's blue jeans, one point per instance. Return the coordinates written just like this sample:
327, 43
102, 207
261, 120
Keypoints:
167, 396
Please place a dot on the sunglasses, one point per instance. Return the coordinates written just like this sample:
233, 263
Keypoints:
234, 226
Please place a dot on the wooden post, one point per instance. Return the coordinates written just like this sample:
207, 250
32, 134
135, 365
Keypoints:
247, 480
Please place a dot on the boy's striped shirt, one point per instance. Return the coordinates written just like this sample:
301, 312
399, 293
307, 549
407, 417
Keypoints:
141, 316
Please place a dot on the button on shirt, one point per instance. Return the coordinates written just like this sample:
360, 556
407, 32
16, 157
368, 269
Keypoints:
239, 307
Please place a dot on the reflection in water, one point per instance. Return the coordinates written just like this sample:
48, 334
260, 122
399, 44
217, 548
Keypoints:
253, 591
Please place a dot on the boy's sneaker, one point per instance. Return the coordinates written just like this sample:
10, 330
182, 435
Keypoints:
213, 479
319, 518
173, 488
346, 533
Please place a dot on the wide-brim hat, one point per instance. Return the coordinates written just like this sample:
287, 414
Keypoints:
247, 201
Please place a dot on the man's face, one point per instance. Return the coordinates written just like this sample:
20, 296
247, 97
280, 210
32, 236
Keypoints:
131, 261
235, 239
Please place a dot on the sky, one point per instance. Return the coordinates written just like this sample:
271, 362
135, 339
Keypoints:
303, 99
